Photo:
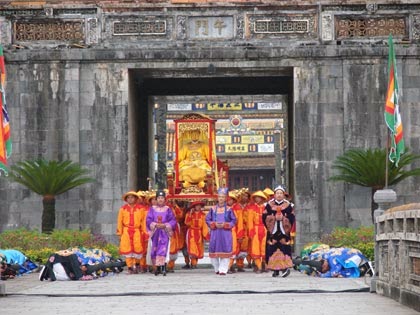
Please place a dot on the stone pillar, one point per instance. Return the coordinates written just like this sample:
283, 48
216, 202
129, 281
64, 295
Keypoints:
278, 155
160, 116
383, 198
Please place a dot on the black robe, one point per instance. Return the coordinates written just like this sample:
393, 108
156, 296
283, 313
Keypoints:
280, 231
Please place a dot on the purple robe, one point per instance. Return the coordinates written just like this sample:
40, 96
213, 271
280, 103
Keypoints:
220, 238
159, 237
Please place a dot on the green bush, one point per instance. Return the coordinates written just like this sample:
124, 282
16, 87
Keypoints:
39, 255
39, 246
362, 238
112, 249
368, 249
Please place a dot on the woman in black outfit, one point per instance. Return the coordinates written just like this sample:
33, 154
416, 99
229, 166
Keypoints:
278, 219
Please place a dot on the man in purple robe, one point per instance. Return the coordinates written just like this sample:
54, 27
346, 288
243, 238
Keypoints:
220, 220
160, 223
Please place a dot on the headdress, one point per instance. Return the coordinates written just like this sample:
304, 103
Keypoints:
160, 193
193, 204
222, 191
280, 187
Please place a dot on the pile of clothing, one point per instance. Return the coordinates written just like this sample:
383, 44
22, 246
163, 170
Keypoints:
322, 261
14, 263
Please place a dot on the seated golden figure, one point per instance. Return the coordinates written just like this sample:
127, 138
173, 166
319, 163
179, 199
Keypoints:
194, 160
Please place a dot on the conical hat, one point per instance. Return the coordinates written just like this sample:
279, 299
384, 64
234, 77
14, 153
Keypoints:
193, 204
130, 193
259, 193
268, 192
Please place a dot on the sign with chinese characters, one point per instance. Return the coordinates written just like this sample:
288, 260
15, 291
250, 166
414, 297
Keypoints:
269, 106
252, 139
276, 106
245, 148
179, 107
223, 139
236, 148
224, 106
206, 27
266, 147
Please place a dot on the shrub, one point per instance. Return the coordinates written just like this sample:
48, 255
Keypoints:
39, 255
39, 246
362, 238
112, 249
368, 249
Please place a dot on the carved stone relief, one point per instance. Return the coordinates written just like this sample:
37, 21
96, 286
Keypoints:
327, 27
5, 32
240, 26
354, 27
181, 27
371, 8
415, 27
58, 30
283, 25
92, 32
156, 27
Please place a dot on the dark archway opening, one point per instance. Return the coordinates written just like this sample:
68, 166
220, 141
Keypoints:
146, 85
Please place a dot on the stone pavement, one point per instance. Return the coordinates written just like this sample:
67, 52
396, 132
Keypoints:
198, 291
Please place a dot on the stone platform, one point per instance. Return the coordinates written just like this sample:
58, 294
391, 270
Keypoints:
198, 291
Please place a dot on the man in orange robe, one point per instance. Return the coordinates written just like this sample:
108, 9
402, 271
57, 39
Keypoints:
129, 228
257, 230
197, 232
241, 208
238, 231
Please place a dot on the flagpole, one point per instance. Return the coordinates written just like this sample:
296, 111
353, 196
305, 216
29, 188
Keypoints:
386, 159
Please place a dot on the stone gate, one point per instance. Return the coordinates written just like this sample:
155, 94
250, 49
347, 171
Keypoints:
81, 77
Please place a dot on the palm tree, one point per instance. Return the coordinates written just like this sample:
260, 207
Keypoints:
49, 179
367, 168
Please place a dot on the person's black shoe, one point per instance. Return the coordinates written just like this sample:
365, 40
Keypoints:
157, 272
43, 274
285, 273
276, 273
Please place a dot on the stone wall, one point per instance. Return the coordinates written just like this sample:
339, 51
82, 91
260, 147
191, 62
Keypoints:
70, 99
398, 237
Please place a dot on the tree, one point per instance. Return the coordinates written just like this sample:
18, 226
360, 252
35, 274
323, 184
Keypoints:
367, 168
49, 179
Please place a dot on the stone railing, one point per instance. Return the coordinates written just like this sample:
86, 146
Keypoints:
398, 237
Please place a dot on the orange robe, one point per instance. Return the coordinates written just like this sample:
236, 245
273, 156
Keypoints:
196, 233
176, 240
238, 230
257, 231
130, 230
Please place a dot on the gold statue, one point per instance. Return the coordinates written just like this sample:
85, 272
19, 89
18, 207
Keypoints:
194, 160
